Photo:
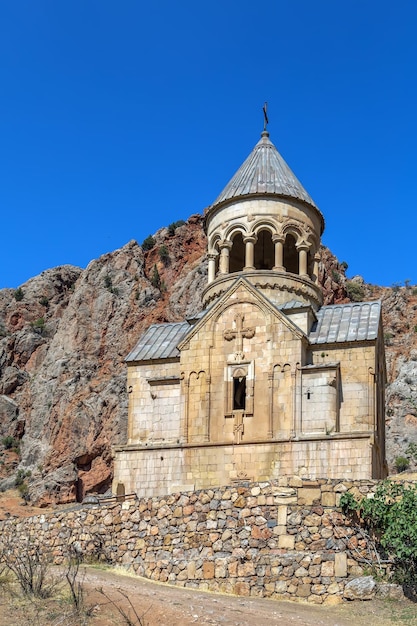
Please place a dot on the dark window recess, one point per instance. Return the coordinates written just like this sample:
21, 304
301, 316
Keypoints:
239, 393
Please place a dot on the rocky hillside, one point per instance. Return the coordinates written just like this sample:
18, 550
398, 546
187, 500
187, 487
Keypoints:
64, 336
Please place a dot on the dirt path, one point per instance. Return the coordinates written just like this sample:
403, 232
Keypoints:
161, 605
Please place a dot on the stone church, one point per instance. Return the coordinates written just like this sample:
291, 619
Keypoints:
264, 381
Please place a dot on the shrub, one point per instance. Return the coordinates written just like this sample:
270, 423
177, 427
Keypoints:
355, 291
20, 477
344, 265
391, 516
164, 254
44, 302
108, 283
9, 442
412, 451
173, 227
29, 564
387, 338
402, 463
155, 278
335, 276
38, 325
148, 243
18, 294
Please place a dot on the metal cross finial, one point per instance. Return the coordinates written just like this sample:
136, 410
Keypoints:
266, 120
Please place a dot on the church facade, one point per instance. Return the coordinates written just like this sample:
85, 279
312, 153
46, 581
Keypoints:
265, 381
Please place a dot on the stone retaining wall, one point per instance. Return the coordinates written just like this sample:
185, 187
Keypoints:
284, 538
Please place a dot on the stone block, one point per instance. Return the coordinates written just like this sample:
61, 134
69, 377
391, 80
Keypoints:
303, 590
328, 498
286, 541
282, 515
340, 565
327, 569
308, 495
363, 588
208, 570
332, 600
390, 591
281, 586
242, 589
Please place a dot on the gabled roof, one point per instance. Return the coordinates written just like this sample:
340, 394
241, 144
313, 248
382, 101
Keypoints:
159, 342
217, 307
336, 323
264, 172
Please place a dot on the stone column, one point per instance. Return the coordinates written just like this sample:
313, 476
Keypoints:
278, 241
186, 390
271, 403
302, 259
225, 247
207, 430
211, 267
249, 242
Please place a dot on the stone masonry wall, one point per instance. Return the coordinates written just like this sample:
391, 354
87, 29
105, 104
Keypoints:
281, 539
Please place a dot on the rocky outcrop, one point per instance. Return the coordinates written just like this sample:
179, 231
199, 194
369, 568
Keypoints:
65, 333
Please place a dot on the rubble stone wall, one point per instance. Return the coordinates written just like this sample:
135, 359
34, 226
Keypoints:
285, 539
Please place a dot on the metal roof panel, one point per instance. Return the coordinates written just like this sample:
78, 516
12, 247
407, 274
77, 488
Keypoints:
264, 172
159, 342
355, 321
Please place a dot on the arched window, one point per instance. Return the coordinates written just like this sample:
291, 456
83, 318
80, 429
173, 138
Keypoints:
217, 259
264, 251
237, 254
310, 263
291, 261
239, 393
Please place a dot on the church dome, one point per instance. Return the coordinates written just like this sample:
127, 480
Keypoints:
264, 172
266, 227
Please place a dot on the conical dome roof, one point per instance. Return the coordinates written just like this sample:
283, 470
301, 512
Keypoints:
264, 172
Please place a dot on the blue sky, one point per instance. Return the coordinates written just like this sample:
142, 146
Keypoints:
117, 118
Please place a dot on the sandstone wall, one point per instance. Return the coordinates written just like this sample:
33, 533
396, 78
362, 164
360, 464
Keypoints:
155, 471
280, 539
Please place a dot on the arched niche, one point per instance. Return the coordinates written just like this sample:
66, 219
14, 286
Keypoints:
264, 250
237, 253
291, 259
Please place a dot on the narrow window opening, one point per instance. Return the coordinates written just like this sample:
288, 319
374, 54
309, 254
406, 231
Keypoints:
217, 260
239, 393
264, 251
291, 261
310, 263
237, 254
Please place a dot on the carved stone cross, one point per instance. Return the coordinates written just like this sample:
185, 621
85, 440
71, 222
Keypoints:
239, 333
238, 427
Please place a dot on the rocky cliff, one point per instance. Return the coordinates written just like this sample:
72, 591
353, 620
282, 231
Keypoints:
65, 333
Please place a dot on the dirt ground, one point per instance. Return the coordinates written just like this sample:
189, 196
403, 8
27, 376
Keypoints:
162, 605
